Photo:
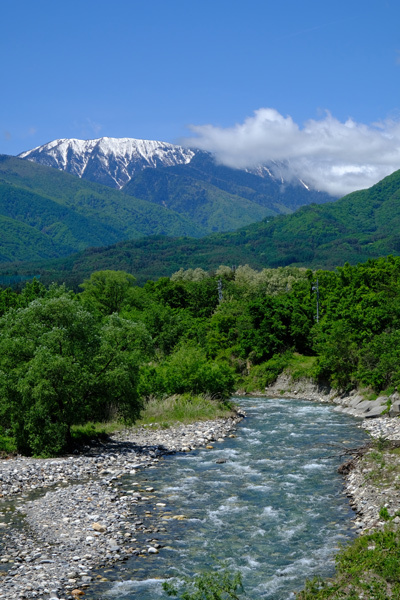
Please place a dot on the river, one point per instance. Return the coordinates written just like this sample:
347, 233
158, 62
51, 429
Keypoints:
275, 510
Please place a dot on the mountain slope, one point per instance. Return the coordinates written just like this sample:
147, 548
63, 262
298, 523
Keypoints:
202, 202
217, 197
109, 161
73, 214
187, 181
362, 225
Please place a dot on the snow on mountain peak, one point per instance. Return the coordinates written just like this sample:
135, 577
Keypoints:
113, 161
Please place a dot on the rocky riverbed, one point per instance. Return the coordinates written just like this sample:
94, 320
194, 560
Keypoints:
60, 519
374, 482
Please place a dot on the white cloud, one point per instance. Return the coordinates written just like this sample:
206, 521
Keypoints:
330, 155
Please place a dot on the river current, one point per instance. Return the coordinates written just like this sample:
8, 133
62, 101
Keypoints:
275, 510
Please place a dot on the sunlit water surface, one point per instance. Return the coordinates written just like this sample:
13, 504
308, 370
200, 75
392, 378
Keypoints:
275, 510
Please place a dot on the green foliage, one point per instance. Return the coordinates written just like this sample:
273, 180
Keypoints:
167, 326
86, 433
194, 344
384, 513
301, 367
368, 568
107, 290
184, 408
198, 297
61, 366
379, 365
217, 197
214, 585
47, 213
360, 226
7, 444
187, 370
266, 373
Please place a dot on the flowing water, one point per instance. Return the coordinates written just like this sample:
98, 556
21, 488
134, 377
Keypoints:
275, 510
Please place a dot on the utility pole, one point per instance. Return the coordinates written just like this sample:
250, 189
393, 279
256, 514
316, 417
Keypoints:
220, 295
315, 288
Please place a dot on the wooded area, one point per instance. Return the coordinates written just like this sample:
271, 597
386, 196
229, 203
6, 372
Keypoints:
67, 358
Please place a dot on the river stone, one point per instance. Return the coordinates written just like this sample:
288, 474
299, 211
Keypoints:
375, 412
60, 521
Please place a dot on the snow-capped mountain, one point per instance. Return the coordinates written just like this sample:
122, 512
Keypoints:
110, 161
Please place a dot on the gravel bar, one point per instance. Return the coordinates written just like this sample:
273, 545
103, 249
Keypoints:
60, 519
374, 482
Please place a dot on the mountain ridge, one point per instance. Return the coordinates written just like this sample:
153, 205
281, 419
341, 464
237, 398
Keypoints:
69, 214
106, 160
359, 226
115, 161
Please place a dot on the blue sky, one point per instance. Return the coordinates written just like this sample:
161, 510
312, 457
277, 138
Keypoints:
155, 70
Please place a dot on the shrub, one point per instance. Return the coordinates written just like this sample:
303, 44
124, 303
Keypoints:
187, 370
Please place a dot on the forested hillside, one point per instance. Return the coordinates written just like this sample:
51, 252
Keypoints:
218, 197
360, 226
46, 213
67, 358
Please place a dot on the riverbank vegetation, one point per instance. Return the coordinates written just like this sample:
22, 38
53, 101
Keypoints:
369, 567
106, 352
77, 365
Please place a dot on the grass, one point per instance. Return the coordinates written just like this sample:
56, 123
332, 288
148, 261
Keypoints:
83, 434
7, 445
300, 366
368, 569
183, 409
265, 373
382, 464
161, 412
297, 366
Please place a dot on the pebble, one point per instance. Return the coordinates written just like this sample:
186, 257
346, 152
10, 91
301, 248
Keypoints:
78, 520
367, 495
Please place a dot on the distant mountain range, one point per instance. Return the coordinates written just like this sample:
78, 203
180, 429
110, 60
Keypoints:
99, 192
362, 225
109, 161
115, 161
46, 213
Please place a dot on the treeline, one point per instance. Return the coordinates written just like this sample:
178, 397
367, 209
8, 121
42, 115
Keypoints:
67, 358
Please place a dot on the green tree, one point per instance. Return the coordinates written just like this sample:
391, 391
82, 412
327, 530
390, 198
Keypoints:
379, 365
107, 290
60, 365
187, 370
